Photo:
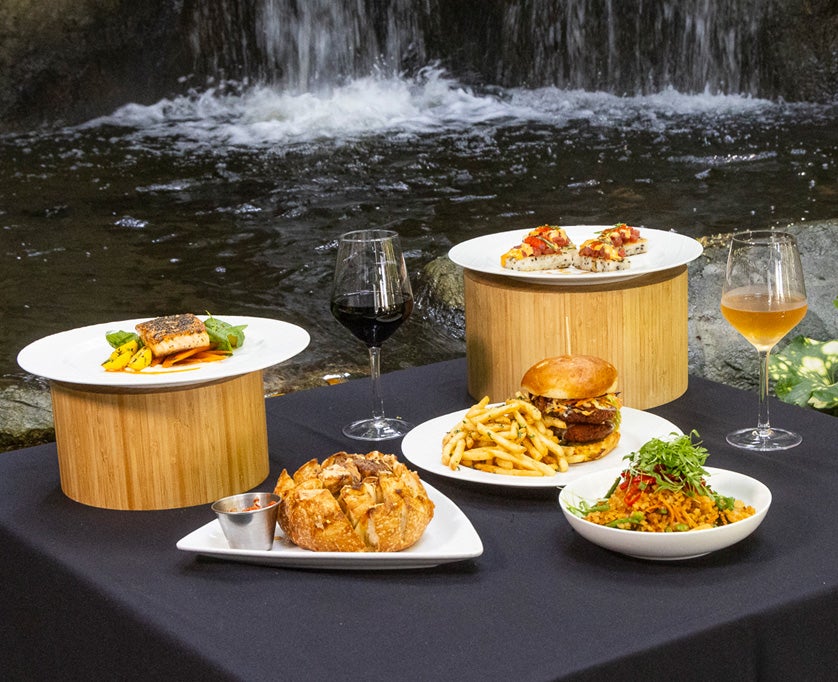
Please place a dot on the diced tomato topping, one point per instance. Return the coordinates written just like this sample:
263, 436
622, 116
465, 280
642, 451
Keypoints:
537, 244
621, 234
546, 239
596, 248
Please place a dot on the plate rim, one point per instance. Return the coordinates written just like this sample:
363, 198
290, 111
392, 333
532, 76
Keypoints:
484, 478
572, 278
28, 360
297, 557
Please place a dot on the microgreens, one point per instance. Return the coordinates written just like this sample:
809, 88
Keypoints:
675, 464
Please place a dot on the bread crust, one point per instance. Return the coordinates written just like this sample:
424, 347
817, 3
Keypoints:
353, 503
568, 377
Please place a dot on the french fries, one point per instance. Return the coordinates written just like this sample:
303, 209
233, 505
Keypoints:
510, 438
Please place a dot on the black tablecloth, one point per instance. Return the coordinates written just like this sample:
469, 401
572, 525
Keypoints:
98, 594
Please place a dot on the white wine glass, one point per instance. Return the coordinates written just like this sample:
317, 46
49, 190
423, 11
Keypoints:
763, 298
371, 297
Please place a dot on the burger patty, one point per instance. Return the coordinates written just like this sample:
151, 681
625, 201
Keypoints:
586, 433
584, 420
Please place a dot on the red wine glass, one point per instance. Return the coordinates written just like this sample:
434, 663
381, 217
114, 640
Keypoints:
371, 297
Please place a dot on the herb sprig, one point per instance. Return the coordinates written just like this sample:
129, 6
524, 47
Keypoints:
675, 464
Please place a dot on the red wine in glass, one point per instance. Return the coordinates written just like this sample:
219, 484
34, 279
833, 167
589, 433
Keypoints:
371, 297
369, 323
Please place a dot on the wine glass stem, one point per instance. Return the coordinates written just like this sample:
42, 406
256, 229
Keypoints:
763, 426
375, 379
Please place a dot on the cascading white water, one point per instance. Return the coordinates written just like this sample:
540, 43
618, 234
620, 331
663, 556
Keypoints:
633, 48
303, 45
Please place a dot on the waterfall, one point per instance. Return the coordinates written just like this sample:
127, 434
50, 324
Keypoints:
622, 47
303, 45
634, 47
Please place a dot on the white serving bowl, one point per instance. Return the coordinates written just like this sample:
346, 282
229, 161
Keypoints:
667, 546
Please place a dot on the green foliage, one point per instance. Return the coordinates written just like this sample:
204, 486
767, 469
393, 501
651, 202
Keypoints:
806, 373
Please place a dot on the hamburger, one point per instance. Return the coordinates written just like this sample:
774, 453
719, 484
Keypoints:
576, 397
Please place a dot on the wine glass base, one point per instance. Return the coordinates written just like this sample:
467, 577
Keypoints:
377, 429
767, 440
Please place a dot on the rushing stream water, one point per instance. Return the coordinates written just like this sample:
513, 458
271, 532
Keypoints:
231, 199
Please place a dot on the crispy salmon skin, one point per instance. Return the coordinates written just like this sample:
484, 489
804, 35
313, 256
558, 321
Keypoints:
173, 333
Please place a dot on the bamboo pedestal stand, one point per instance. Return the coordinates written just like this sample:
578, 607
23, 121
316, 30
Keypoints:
161, 448
639, 325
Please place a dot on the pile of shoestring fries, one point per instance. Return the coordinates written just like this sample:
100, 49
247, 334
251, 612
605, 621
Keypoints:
509, 438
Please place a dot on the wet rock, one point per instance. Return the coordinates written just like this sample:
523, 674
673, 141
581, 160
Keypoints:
67, 61
440, 295
25, 416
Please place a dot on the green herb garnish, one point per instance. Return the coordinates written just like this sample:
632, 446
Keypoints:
549, 244
675, 464
118, 338
586, 508
223, 335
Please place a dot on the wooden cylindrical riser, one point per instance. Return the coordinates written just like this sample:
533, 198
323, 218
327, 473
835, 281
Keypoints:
639, 325
160, 449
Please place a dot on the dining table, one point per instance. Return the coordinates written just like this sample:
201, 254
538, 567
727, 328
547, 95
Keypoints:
91, 593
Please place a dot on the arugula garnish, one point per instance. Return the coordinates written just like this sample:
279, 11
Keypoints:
675, 464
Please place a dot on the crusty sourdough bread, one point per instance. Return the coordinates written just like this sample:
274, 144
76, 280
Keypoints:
353, 503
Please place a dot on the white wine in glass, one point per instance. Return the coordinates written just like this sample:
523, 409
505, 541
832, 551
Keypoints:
371, 297
763, 298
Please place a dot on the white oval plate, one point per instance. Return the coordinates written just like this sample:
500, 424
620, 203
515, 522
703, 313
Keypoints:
665, 250
667, 546
423, 447
449, 537
76, 356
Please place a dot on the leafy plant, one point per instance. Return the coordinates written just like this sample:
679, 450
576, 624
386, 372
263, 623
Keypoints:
806, 373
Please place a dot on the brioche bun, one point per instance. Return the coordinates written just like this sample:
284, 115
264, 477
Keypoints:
570, 377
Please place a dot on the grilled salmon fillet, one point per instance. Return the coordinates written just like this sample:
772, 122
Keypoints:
173, 333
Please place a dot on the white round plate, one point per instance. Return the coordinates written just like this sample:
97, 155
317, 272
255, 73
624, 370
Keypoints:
665, 250
422, 446
667, 546
76, 356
